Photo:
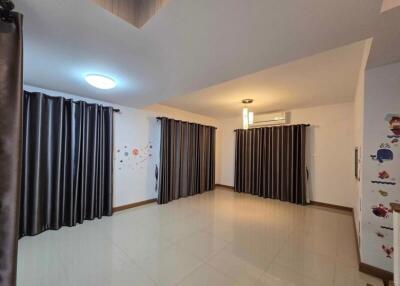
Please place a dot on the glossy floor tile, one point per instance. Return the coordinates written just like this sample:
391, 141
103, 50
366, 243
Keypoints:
217, 238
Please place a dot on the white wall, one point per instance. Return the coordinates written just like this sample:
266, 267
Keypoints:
330, 151
134, 176
358, 142
359, 136
396, 239
382, 97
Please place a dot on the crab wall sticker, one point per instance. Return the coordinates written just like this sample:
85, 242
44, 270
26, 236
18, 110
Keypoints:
381, 211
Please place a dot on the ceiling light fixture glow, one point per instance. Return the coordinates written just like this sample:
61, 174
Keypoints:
251, 118
100, 81
248, 117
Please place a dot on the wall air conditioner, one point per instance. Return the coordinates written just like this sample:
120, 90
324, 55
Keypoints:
268, 119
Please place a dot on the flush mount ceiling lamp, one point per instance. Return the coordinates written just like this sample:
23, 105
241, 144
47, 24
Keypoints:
100, 81
248, 117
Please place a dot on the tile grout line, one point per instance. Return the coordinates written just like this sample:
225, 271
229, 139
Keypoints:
131, 260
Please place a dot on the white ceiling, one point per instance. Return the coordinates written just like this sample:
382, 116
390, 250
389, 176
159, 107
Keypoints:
326, 78
386, 43
190, 44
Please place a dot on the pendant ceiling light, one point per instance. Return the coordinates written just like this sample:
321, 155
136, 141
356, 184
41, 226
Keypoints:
248, 117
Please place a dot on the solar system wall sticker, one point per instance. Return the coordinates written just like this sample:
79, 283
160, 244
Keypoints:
133, 158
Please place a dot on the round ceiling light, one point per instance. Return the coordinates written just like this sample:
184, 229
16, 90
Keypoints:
100, 81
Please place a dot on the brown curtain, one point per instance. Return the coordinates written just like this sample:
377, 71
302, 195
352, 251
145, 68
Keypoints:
10, 142
187, 159
270, 163
67, 170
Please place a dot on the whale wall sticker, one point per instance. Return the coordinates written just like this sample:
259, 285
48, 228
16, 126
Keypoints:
383, 155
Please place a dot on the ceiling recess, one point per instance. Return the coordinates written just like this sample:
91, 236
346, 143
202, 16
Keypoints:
389, 4
136, 12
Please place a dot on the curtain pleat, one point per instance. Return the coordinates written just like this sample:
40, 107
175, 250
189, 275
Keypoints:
270, 162
67, 163
187, 159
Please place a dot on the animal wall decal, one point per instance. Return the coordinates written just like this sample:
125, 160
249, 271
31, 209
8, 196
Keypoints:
394, 125
383, 154
383, 193
381, 211
384, 176
388, 251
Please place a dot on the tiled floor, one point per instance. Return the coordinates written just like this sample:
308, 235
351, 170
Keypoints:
218, 238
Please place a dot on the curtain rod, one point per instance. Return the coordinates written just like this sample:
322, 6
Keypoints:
161, 117
71, 99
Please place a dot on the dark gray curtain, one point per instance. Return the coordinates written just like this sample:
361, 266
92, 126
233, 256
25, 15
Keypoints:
187, 159
270, 163
67, 173
10, 142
